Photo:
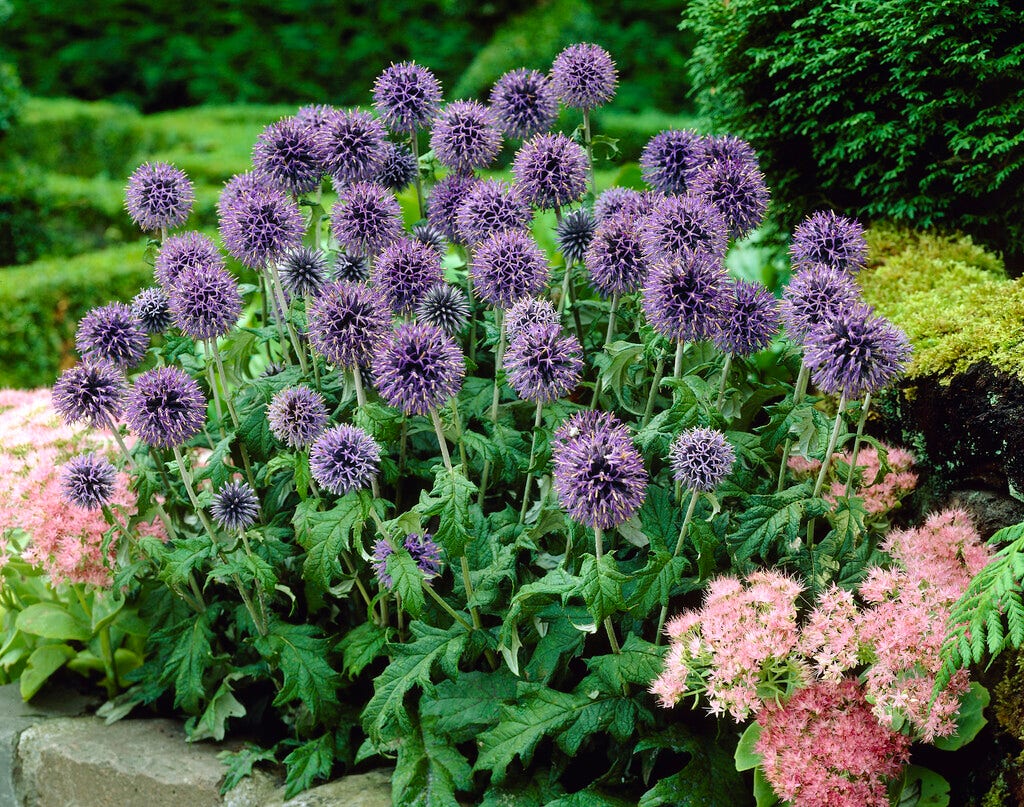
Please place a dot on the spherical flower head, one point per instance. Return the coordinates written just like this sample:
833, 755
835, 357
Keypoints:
542, 364
700, 459
724, 148
598, 473
241, 185
465, 136
574, 234
679, 224
444, 306
422, 549
815, 295
739, 192
404, 272
303, 271
508, 266
446, 197
353, 268
836, 241
366, 218
347, 322
91, 393
584, 76
165, 408
751, 320
159, 196
189, 250
685, 300
418, 369
625, 200
489, 207
88, 480
398, 168
551, 170
150, 308
314, 116
286, 155
856, 352
616, 259
205, 302
111, 333
406, 96
235, 506
427, 233
524, 102
351, 144
261, 226
297, 416
669, 159
529, 311
344, 459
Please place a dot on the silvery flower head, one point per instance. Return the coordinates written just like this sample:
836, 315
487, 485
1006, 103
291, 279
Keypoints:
353, 268
815, 295
91, 393
344, 459
190, 250
303, 271
584, 76
297, 416
235, 506
427, 233
366, 218
159, 196
261, 226
551, 171
680, 224
88, 480
524, 102
111, 333
351, 144
286, 155
491, 206
507, 266
418, 369
669, 159
347, 322
406, 96
701, 458
404, 272
574, 234
542, 364
150, 308
205, 302
739, 192
165, 408
751, 320
685, 300
397, 169
465, 136
616, 259
832, 240
445, 306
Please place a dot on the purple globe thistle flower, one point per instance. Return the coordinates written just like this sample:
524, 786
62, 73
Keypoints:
427, 233
444, 202
465, 136
235, 506
524, 102
584, 76
751, 320
189, 250
351, 144
112, 333
418, 369
347, 322
314, 116
527, 312
685, 300
398, 168
700, 459
444, 306
303, 271
739, 192
150, 308
616, 259
831, 240
507, 266
681, 224
90, 392
491, 206
627, 201
543, 365
287, 156
856, 352
206, 302
343, 459
297, 416
405, 271
159, 196
406, 96
353, 268
422, 548
261, 226
88, 481
574, 234
725, 148
366, 218
165, 408
670, 158
238, 186
599, 475
551, 170
815, 295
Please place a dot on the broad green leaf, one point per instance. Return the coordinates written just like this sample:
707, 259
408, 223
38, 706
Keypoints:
465, 706
43, 663
408, 580
106, 606
774, 522
428, 770
310, 761
638, 663
449, 501
707, 778
655, 582
591, 797
561, 642
361, 646
188, 661
300, 653
325, 535
601, 586
52, 621
746, 757
922, 787
555, 586
212, 724
187, 555
660, 517
969, 720
764, 793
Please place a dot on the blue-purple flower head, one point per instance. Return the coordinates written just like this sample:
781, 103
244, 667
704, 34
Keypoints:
726, 148
344, 459
815, 295
491, 206
420, 546
507, 266
574, 234
165, 408
287, 156
669, 159
351, 267
351, 144
235, 506
680, 224
297, 416
88, 480
542, 364
398, 168
205, 302
91, 393
159, 196
366, 218
418, 369
406, 96
303, 271
241, 185
832, 240
465, 136
150, 308
739, 192
751, 320
599, 475
616, 260
261, 226
112, 333
405, 271
314, 116
700, 459
628, 201
190, 250
524, 102
551, 170
584, 76
446, 197
856, 352
444, 306
527, 312
347, 322
686, 299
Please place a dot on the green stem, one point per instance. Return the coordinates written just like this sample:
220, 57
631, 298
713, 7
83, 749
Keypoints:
723, 382
607, 341
802, 379
312, 355
259, 589
447, 608
346, 557
357, 380
655, 383
472, 305
457, 423
232, 412
499, 357
609, 628
537, 420
864, 408
439, 431
677, 368
282, 301
588, 141
820, 482
212, 381
679, 548
414, 142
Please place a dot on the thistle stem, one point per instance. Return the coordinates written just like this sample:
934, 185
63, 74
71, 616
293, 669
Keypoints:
457, 423
282, 302
312, 356
350, 565
415, 144
679, 548
212, 381
357, 380
537, 420
677, 368
609, 628
864, 408
659, 368
607, 341
820, 482
439, 431
588, 141
725, 379
499, 356
447, 608
232, 411
798, 395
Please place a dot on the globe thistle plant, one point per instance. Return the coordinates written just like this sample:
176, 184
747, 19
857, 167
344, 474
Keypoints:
366, 218
551, 171
751, 320
352, 268
686, 300
526, 312
465, 136
347, 322
616, 259
584, 76
725, 148
832, 240
739, 192
574, 234
351, 144
524, 102
700, 459
406, 96
398, 168
444, 202
444, 306
670, 158
159, 196
428, 234
314, 116
419, 368
165, 408
542, 364
680, 224
189, 250
205, 302
235, 507
297, 416
88, 481
261, 226
111, 333
92, 393
150, 308
303, 271
286, 155
507, 266
489, 207
344, 459
629, 201
404, 272
815, 294
241, 185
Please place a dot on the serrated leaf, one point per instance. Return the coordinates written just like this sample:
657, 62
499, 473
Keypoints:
660, 517
774, 522
707, 778
639, 663
188, 661
655, 582
324, 535
361, 646
408, 580
309, 762
601, 586
556, 585
212, 723
187, 555
428, 770
240, 763
463, 707
300, 653
449, 501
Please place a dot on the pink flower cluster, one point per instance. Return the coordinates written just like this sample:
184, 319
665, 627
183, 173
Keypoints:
880, 495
